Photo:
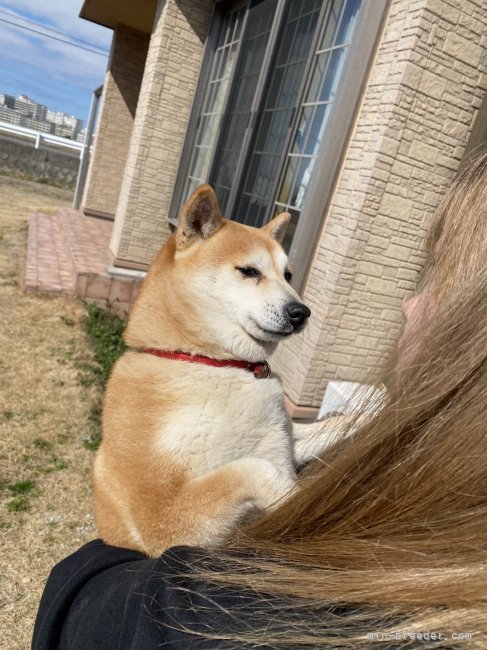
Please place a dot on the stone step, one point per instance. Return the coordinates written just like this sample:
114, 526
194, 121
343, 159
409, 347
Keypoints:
68, 254
48, 266
86, 239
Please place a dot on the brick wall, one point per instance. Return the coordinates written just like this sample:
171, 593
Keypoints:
418, 108
117, 111
166, 96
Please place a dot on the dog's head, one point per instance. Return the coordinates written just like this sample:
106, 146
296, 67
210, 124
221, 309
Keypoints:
226, 285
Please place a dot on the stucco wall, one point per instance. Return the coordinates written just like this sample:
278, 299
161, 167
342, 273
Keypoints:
418, 107
117, 112
165, 101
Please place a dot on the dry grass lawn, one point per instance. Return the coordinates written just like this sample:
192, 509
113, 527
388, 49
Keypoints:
45, 491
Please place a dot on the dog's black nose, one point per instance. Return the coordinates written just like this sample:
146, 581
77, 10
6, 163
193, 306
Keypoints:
297, 314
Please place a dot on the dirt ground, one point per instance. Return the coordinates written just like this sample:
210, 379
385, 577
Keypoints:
45, 490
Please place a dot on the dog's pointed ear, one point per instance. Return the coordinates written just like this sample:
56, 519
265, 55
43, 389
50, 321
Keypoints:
278, 226
200, 217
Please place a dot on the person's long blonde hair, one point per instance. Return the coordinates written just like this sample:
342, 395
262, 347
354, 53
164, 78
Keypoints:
391, 524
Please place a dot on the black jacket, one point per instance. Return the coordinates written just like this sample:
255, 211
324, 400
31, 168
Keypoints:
115, 599
111, 598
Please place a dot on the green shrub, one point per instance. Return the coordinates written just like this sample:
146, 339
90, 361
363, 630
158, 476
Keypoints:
105, 332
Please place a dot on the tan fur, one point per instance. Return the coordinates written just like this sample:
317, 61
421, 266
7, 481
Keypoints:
189, 450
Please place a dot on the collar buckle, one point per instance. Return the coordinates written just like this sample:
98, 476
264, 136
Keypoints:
261, 370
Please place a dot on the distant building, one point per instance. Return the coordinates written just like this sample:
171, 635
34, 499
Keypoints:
38, 125
74, 122
65, 120
64, 131
25, 105
40, 112
24, 111
7, 100
10, 116
55, 117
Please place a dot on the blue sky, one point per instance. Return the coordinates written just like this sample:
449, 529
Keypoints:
53, 73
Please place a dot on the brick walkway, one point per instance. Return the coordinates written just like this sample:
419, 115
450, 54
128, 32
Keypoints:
68, 254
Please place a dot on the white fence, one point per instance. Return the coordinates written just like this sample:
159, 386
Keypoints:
38, 137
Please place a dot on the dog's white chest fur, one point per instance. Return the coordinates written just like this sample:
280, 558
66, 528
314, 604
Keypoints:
230, 415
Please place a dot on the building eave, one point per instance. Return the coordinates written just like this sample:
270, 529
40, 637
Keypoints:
110, 13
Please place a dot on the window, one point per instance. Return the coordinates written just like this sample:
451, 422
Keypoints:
242, 100
317, 100
209, 121
272, 75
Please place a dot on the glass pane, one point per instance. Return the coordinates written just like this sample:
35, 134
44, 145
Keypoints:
213, 101
223, 64
254, 215
291, 229
227, 164
348, 21
254, 44
290, 84
223, 194
215, 72
302, 181
280, 121
319, 68
266, 176
288, 182
252, 175
241, 215
275, 87
255, 53
294, 10
210, 98
333, 74
318, 126
285, 83
331, 23
245, 93
301, 38
325, 76
308, 5
191, 185
202, 134
199, 161
303, 129
264, 129
287, 38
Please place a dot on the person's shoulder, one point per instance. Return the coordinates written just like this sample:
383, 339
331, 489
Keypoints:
87, 561
98, 552
91, 569
105, 595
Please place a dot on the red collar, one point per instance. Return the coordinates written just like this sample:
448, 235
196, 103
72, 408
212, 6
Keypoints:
261, 369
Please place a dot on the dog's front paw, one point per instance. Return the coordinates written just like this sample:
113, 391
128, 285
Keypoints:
271, 485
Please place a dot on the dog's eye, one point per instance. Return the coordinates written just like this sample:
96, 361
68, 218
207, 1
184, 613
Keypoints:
249, 271
288, 276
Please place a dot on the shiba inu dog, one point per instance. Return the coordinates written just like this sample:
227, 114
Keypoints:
195, 434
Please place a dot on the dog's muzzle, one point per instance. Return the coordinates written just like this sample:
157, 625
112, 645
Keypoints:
297, 314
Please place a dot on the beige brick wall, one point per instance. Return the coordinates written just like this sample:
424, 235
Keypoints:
117, 111
166, 96
418, 107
